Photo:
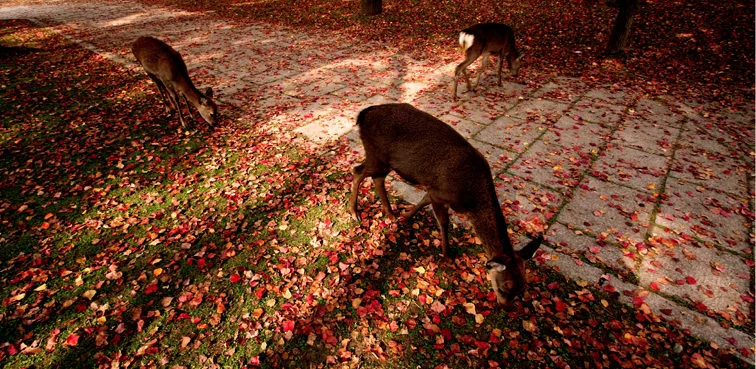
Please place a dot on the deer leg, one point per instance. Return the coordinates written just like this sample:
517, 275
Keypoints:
163, 92
483, 66
460, 70
177, 104
189, 108
423, 203
380, 188
359, 175
441, 212
501, 64
470, 57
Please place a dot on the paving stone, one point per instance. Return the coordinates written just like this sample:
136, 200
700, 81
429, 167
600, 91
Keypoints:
526, 204
540, 110
487, 106
708, 214
733, 142
561, 89
552, 165
511, 133
575, 242
702, 160
609, 211
611, 95
637, 169
645, 135
465, 127
696, 273
578, 135
434, 102
657, 112
304, 87
471, 110
595, 112
495, 156
326, 129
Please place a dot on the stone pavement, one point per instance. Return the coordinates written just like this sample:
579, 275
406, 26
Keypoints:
646, 195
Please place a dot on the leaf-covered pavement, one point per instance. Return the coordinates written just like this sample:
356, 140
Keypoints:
230, 246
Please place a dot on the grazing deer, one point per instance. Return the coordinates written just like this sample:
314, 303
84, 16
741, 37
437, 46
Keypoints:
486, 39
427, 152
167, 69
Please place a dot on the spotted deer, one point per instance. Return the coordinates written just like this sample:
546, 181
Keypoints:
430, 154
487, 39
167, 69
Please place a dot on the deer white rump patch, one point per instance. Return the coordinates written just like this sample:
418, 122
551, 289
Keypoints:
465, 40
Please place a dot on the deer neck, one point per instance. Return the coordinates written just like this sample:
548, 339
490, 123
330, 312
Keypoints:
186, 87
491, 227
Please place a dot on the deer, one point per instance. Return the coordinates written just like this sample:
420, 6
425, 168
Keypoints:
167, 69
430, 154
486, 39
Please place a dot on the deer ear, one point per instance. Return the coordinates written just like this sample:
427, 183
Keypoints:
530, 249
208, 92
495, 266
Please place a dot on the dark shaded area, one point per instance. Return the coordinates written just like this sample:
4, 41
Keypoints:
6, 51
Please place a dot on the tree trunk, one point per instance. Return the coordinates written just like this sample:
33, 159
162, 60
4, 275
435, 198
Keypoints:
618, 38
372, 7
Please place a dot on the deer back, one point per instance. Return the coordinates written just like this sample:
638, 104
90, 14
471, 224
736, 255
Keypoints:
426, 151
494, 37
160, 59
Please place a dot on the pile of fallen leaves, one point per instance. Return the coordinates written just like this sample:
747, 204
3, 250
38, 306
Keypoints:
693, 49
127, 243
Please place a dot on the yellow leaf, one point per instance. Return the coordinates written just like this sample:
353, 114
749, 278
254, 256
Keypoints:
529, 326
469, 307
651, 186
101, 320
420, 270
157, 272
41, 287
287, 294
479, 318
89, 294
356, 302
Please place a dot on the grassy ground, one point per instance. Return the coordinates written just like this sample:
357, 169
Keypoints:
126, 242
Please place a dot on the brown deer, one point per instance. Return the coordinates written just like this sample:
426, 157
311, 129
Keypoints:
167, 69
486, 39
429, 153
